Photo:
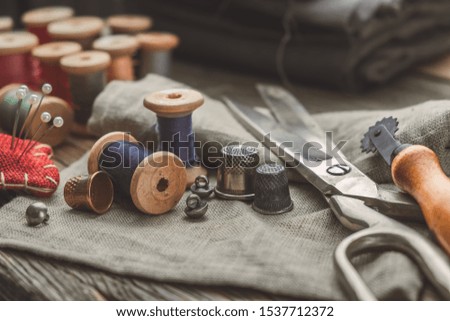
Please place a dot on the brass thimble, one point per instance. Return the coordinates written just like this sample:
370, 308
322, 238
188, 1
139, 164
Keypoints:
93, 193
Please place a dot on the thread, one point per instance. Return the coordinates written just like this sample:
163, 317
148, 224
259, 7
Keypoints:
158, 62
120, 160
40, 32
176, 135
17, 68
84, 90
53, 74
121, 68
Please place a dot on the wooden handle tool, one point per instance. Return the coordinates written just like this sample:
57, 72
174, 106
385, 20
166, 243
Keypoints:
416, 170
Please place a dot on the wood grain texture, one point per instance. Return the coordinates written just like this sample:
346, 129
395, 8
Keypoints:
417, 171
24, 276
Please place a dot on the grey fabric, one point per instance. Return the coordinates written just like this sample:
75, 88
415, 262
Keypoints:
347, 44
289, 254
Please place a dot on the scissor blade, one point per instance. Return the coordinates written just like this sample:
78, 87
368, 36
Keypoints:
287, 109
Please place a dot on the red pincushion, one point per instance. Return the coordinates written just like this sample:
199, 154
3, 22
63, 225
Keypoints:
33, 172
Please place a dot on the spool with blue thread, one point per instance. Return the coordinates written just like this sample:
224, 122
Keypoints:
155, 182
174, 108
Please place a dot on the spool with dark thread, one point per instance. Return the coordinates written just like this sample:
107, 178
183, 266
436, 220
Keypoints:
87, 78
53, 105
6, 24
155, 182
16, 63
130, 24
174, 110
37, 20
156, 52
49, 56
83, 30
121, 48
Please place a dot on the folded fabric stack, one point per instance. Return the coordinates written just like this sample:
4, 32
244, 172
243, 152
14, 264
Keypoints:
346, 44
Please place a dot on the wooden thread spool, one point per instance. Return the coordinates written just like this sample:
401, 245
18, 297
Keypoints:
83, 30
49, 56
129, 24
16, 63
156, 52
37, 20
155, 182
121, 49
6, 24
87, 79
174, 110
53, 105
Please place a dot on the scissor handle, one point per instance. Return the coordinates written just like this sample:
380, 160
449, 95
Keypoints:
432, 262
417, 170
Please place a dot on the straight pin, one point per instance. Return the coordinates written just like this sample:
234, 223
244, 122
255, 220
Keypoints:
32, 100
20, 94
45, 119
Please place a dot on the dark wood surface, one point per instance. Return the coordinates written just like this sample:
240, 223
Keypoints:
24, 276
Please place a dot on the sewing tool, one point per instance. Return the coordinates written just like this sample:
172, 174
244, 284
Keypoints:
129, 24
34, 172
196, 207
6, 24
87, 79
15, 59
155, 182
20, 94
92, 193
416, 170
356, 201
37, 20
49, 56
174, 108
10, 103
121, 48
201, 187
271, 186
236, 174
156, 52
37, 214
83, 30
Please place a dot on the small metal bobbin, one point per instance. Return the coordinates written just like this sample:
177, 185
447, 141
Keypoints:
156, 52
131, 24
121, 48
83, 29
201, 187
177, 103
50, 104
157, 183
94, 193
87, 79
37, 20
196, 207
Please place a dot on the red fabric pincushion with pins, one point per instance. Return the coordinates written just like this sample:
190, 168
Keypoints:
33, 171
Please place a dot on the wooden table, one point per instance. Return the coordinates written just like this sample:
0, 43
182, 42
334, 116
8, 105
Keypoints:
25, 276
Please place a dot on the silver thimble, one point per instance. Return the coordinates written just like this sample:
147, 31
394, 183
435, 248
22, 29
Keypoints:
272, 194
235, 177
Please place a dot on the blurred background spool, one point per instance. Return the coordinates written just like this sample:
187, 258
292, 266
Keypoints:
121, 48
83, 30
49, 56
155, 182
6, 24
87, 78
53, 105
37, 20
129, 24
16, 63
156, 52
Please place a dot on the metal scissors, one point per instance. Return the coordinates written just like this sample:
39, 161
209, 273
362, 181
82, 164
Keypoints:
358, 202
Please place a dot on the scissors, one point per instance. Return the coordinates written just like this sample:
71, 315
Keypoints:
358, 203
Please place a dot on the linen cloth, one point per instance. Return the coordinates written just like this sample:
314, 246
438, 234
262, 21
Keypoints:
289, 254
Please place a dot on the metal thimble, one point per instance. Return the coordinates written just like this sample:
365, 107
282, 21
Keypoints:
272, 194
92, 193
236, 175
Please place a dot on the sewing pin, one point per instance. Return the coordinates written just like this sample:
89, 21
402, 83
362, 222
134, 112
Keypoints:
32, 100
58, 122
20, 94
45, 119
